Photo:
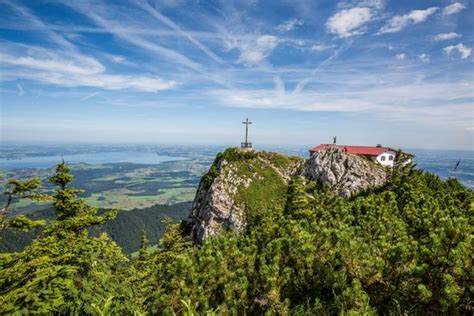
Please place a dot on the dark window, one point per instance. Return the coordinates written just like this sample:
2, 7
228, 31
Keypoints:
390, 157
382, 158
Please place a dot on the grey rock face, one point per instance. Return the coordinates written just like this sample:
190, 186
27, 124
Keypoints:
345, 174
215, 209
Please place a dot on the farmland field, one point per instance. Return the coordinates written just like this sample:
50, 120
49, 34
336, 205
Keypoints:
123, 185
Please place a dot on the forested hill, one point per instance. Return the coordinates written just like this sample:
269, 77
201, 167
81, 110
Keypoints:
125, 229
270, 235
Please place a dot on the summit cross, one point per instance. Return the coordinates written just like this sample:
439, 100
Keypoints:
246, 144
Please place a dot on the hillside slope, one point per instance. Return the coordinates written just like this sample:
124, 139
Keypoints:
125, 229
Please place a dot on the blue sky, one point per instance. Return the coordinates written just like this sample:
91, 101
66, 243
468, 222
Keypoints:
399, 73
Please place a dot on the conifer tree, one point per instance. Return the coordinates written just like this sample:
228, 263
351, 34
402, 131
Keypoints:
144, 243
18, 189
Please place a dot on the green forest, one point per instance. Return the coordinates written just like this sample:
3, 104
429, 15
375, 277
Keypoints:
401, 249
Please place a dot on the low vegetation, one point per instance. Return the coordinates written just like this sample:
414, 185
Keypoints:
405, 248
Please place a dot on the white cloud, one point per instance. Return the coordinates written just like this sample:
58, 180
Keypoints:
289, 25
424, 58
404, 102
71, 70
349, 22
401, 56
41, 59
463, 50
446, 36
321, 47
256, 51
399, 22
453, 8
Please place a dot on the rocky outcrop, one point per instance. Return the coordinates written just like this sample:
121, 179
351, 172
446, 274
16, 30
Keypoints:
345, 174
220, 202
242, 183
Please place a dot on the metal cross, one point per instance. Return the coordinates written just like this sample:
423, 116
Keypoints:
246, 144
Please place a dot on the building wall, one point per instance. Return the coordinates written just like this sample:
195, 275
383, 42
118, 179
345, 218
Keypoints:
386, 159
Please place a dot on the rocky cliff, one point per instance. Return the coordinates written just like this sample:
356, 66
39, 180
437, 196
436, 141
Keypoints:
242, 185
344, 173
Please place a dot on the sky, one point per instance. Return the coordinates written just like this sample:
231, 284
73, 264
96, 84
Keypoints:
398, 73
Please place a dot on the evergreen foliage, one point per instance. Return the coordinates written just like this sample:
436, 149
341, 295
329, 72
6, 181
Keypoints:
405, 248
26, 190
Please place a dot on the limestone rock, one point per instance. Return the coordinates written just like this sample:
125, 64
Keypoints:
215, 207
346, 174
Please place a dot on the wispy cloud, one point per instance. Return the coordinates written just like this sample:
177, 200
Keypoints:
36, 23
256, 51
425, 58
464, 51
401, 56
88, 96
453, 8
289, 25
179, 31
446, 36
399, 22
62, 68
398, 102
321, 47
349, 22
302, 84
20, 90
115, 28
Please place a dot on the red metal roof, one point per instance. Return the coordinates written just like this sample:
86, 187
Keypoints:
358, 150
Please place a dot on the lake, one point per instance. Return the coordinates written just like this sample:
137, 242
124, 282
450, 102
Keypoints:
443, 162
43, 162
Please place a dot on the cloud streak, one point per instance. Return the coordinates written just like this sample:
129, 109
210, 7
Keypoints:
399, 102
179, 31
115, 28
453, 8
61, 68
289, 25
446, 36
399, 22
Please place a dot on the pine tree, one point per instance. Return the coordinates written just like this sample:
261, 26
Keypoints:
18, 189
144, 243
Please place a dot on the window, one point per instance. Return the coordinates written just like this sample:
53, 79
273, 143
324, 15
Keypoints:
390, 157
382, 158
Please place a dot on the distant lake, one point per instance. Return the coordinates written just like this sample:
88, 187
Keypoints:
43, 162
442, 163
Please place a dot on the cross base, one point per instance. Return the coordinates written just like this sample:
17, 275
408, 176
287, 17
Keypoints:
246, 145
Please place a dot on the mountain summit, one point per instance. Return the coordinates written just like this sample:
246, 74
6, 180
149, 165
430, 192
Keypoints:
243, 184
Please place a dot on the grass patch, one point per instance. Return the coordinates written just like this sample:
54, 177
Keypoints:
266, 193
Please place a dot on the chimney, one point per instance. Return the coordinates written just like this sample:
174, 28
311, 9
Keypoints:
379, 146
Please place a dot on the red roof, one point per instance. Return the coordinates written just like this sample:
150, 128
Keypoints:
358, 150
